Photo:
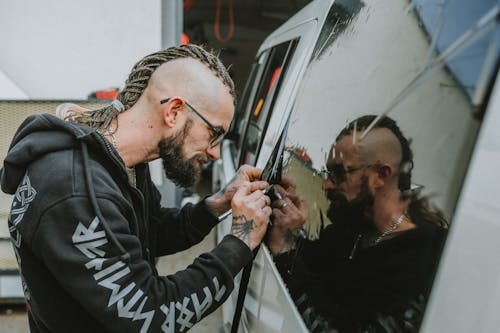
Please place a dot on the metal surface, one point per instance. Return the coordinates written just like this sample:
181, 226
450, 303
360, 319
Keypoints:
466, 292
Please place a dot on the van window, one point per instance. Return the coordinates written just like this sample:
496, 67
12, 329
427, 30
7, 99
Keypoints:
239, 122
259, 106
379, 140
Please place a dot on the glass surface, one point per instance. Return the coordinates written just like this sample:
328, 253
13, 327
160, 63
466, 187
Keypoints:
239, 122
365, 261
258, 111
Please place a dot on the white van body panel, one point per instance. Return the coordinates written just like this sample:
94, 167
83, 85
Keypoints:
466, 292
314, 11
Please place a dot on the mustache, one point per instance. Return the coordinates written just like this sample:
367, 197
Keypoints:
335, 196
202, 158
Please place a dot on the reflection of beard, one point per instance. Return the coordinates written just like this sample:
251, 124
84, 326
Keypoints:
352, 212
182, 172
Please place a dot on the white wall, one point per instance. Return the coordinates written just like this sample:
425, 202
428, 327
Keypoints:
54, 49
9, 89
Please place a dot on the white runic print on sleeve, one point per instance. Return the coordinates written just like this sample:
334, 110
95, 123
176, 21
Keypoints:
89, 240
185, 314
24, 195
200, 309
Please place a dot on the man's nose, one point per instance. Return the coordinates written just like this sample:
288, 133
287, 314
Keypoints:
214, 152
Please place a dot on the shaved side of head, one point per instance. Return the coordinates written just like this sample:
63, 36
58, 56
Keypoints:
188, 78
380, 145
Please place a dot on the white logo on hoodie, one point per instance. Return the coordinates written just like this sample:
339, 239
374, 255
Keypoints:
108, 274
24, 195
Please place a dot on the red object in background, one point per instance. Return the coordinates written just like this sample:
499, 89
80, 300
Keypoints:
276, 73
301, 153
188, 4
106, 94
230, 32
184, 39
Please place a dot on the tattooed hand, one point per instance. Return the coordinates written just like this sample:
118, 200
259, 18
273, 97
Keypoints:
289, 214
220, 202
251, 213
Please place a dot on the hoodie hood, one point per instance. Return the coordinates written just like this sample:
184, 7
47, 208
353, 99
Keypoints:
42, 134
38, 135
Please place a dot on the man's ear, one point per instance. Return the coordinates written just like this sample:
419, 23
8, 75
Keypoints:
383, 174
172, 110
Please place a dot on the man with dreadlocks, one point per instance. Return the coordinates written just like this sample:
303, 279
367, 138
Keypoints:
372, 268
86, 220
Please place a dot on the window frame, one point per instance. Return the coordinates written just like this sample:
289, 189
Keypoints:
267, 108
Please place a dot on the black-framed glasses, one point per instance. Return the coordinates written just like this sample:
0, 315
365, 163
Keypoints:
337, 174
218, 134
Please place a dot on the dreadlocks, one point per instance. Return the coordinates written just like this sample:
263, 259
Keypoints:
137, 82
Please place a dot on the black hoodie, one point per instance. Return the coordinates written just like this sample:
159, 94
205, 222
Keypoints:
86, 240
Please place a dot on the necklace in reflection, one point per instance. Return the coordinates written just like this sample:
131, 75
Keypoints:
389, 230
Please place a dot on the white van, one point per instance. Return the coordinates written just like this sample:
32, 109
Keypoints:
431, 65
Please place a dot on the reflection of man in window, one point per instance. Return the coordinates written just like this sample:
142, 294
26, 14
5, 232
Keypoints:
374, 265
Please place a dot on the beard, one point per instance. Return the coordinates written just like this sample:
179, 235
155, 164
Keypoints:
353, 212
183, 172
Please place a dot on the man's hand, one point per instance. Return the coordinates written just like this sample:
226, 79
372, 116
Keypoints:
251, 213
220, 202
287, 184
289, 214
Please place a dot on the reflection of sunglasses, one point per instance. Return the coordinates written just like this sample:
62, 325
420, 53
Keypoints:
337, 174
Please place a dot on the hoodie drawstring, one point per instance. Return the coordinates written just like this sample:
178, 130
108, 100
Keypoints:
124, 255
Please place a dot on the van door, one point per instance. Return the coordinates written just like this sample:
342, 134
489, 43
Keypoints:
260, 114
431, 68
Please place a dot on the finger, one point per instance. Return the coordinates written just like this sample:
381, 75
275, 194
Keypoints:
281, 190
278, 215
288, 183
258, 185
296, 199
258, 198
263, 201
267, 211
252, 173
247, 188
300, 202
262, 217
278, 204
297, 206
288, 204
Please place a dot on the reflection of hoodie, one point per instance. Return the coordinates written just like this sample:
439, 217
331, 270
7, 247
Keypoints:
363, 287
86, 239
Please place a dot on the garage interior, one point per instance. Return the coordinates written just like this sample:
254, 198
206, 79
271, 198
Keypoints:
236, 28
